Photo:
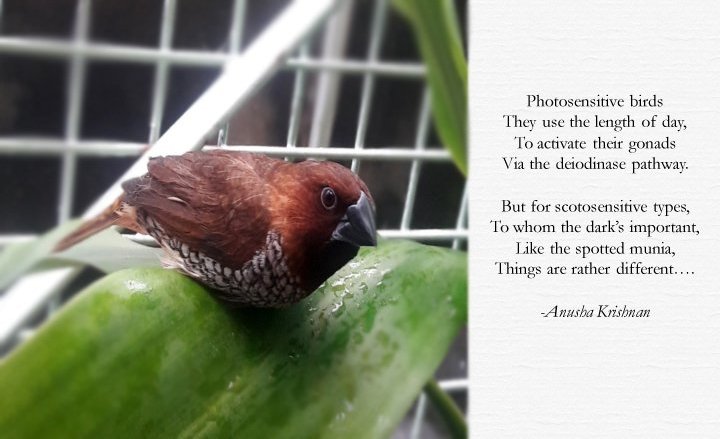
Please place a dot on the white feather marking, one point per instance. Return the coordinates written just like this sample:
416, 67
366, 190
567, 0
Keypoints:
177, 200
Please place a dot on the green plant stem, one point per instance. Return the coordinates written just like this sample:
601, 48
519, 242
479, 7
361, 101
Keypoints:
449, 411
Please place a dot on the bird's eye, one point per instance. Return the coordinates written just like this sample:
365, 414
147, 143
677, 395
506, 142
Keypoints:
328, 198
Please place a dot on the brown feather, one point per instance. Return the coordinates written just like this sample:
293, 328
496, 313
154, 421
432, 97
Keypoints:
116, 214
214, 201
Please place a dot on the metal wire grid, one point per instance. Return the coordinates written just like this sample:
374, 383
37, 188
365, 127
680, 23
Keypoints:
330, 68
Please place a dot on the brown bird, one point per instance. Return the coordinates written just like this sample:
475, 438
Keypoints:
260, 231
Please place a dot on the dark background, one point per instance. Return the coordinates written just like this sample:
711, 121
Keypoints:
117, 104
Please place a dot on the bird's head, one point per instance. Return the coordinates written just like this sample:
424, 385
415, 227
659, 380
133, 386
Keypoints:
324, 213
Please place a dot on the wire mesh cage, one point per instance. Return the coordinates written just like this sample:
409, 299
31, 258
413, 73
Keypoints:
86, 86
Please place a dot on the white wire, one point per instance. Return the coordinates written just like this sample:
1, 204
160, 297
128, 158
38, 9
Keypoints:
40, 146
236, 26
162, 67
420, 410
462, 216
297, 100
377, 32
234, 43
420, 142
73, 110
328, 82
44, 47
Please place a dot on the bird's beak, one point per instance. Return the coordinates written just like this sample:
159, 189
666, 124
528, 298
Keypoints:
357, 227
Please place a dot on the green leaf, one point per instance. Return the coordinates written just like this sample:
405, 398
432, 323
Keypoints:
109, 251
17, 259
149, 353
438, 37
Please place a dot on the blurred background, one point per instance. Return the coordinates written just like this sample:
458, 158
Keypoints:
86, 85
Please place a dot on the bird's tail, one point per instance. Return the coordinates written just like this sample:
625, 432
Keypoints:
105, 219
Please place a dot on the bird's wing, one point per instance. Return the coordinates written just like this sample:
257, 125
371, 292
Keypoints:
213, 202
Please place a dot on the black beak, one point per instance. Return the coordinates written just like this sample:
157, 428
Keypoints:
357, 227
